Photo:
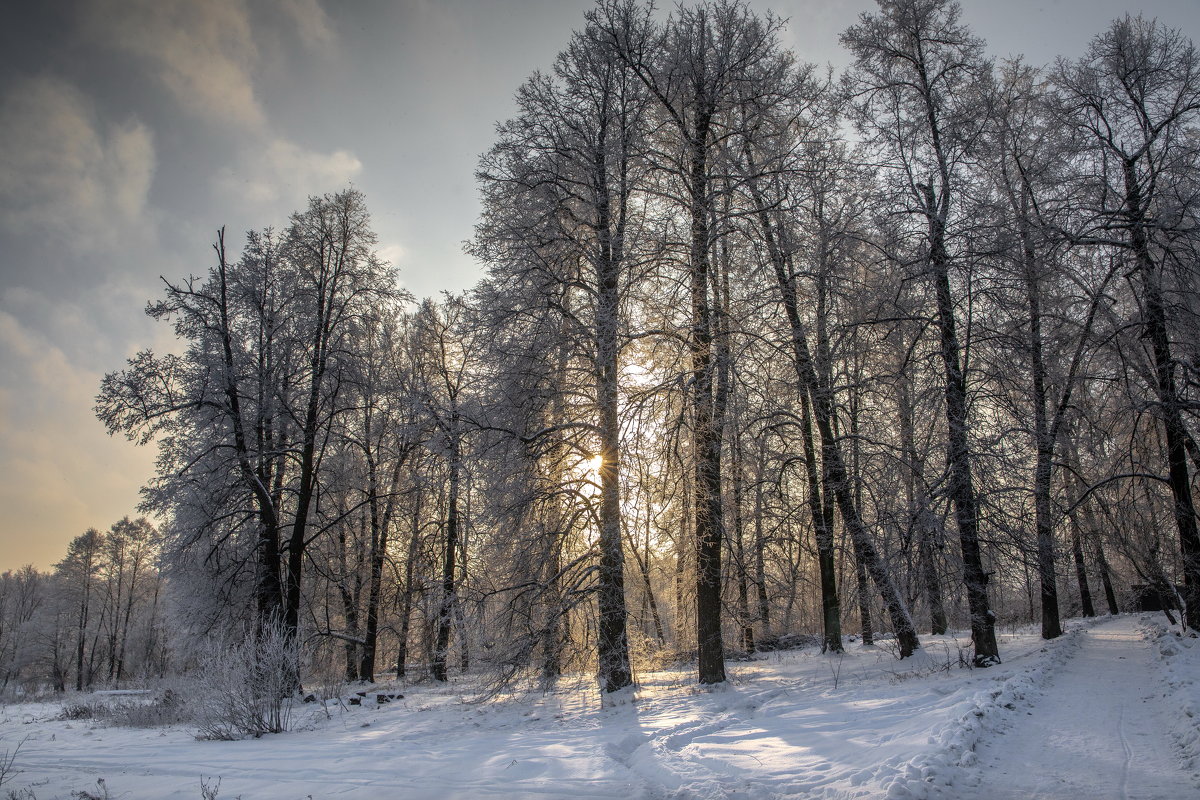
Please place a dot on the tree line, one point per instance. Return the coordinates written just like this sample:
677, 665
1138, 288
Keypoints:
760, 350
99, 618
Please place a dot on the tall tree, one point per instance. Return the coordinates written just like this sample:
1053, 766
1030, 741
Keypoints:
918, 84
244, 415
805, 225
215, 409
339, 279
707, 67
558, 188
1135, 96
1059, 289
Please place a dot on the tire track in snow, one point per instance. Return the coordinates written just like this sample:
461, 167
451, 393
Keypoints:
1128, 753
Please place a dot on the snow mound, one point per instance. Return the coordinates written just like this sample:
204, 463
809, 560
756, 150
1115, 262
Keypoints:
1177, 661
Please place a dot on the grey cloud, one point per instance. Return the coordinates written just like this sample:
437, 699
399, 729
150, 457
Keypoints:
274, 177
64, 173
203, 52
311, 24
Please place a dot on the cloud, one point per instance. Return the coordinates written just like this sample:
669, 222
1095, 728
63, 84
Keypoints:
212, 56
65, 174
207, 54
311, 23
393, 253
275, 179
63, 473
203, 52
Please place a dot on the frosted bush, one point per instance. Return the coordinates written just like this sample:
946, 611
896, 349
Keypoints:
246, 689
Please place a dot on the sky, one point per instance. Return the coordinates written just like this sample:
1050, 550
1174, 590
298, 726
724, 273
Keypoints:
131, 130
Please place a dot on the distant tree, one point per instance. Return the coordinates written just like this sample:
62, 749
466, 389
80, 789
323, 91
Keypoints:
22, 596
126, 570
78, 573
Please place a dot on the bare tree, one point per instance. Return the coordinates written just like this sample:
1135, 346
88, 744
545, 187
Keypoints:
1135, 96
917, 85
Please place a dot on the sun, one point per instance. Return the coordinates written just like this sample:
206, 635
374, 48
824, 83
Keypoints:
594, 464
587, 472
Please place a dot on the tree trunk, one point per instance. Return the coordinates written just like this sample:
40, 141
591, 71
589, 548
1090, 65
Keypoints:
1085, 594
268, 588
1110, 596
349, 607
927, 531
831, 609
1043, 436
406, 598
380, 525
1090, 531
552, 629
612, 640
305, 493
864, 600
81, 641
961, 488
446, 605
125, 620
1047, 573
760, 572
643, 562
706, 441
730, 433
921, 516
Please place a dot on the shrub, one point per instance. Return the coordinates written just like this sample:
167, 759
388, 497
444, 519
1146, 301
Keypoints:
73, 711
165, 708
246, 689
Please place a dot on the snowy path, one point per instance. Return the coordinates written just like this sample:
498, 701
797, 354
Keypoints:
1097, 732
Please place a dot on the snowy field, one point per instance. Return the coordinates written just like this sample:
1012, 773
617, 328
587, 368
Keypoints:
1109, 710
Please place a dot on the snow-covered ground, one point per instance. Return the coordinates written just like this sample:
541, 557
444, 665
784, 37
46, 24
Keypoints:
1097, 729
1109, 710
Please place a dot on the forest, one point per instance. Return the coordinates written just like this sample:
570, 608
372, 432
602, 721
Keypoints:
763, 355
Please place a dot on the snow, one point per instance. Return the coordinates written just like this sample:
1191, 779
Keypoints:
1067, 718
1098, 728
1177, 670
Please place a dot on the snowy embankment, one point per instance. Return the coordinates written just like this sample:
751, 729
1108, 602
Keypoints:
787, 725
1178, 675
